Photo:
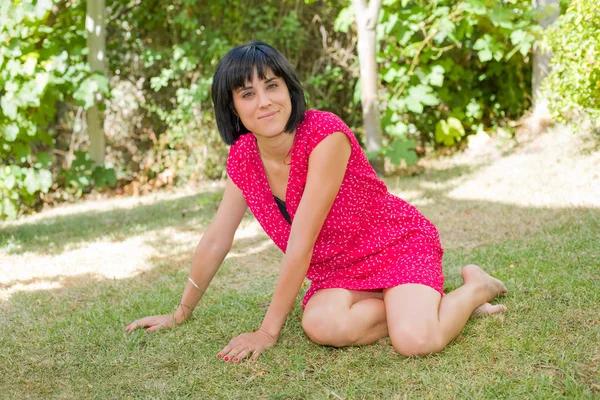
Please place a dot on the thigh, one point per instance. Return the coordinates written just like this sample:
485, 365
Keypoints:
411, 306
338, 299
342, 317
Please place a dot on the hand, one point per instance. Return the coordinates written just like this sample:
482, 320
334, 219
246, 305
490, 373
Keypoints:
251, 343
153, 323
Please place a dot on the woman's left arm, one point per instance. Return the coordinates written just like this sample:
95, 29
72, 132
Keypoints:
326, 168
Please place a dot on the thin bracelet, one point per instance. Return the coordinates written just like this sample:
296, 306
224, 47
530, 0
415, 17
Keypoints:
265, 332
188, 307
194, 283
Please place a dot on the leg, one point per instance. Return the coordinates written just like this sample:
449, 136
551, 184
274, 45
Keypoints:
342, 317
421, 322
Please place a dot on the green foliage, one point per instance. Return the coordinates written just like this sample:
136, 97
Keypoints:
448, 68
36, 74
449, 131
83, 175
452, 66
573, 85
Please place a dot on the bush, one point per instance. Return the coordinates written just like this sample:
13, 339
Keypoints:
573, 85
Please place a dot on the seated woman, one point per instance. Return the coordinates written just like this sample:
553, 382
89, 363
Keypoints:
375, 262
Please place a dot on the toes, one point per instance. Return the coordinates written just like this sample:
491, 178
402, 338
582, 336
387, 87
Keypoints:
489, 309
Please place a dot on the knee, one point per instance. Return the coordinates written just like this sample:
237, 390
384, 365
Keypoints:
416, 341
327, 329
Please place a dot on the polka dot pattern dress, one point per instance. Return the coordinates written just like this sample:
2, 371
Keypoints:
370, 240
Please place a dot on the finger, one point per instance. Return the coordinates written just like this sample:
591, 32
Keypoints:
242, 354
154, 328
132, 326
233, 354
225, 351
255, 355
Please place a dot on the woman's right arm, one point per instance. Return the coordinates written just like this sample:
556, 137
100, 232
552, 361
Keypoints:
209, 254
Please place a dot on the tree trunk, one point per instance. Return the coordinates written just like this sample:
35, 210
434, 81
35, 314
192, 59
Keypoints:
96, 42
541, 63
366, 22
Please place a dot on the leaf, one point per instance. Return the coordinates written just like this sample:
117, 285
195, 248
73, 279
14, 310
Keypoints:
9, 209
390, 75
89, 88
42, 7
414, 105
419, 96
10, 132
399, 129
424, 94
10, 181
402, 150
441, 131
485, 55
29, 66
436, 76
104, 176
456, 127
501, 17
476, 7
45, 180
449, 132
9, 106
517, 36
31, 182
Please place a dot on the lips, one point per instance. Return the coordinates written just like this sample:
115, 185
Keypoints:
268, 115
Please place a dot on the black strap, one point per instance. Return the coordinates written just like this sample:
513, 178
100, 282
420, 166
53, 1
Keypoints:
283, 209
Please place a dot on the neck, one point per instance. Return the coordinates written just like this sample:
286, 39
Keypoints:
275, 149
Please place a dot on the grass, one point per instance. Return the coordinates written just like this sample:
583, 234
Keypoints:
67, 341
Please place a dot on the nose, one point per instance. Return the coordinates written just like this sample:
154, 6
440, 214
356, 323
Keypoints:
263, 99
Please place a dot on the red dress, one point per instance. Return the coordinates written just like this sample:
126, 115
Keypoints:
370, 239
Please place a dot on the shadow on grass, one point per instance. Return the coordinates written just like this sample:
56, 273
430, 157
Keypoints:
53, 234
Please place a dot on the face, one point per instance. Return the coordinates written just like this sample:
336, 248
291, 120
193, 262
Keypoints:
264, 106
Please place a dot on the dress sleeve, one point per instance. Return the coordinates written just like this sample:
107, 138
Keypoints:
326, 124
233, 165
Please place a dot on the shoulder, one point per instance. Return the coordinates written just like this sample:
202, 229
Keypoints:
317, 125
321, 119
237, 159
241, 146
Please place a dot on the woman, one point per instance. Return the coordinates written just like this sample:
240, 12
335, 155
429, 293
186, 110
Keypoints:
374, 261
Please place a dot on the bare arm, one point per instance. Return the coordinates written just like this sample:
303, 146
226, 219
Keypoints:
209, 254
326, 169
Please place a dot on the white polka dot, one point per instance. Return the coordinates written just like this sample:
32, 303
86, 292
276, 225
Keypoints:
371, 239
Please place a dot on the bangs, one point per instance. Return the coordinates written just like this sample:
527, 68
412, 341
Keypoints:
251, 60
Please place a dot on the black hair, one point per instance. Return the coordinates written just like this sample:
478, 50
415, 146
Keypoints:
235, 69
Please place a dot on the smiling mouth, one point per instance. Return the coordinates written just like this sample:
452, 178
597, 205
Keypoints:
268, 115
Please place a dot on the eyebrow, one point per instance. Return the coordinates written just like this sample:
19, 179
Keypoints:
250, 87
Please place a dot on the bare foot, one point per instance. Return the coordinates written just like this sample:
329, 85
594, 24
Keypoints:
488, 309
491, 286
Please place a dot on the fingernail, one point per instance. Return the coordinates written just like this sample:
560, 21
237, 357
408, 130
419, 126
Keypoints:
226, 359
254, 359
235, 359
219, 356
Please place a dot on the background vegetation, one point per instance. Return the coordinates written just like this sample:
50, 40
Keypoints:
448, 69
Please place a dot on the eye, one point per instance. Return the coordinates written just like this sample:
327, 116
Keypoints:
272, 85
247, 95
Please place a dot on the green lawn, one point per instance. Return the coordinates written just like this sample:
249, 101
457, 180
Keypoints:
68, 341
